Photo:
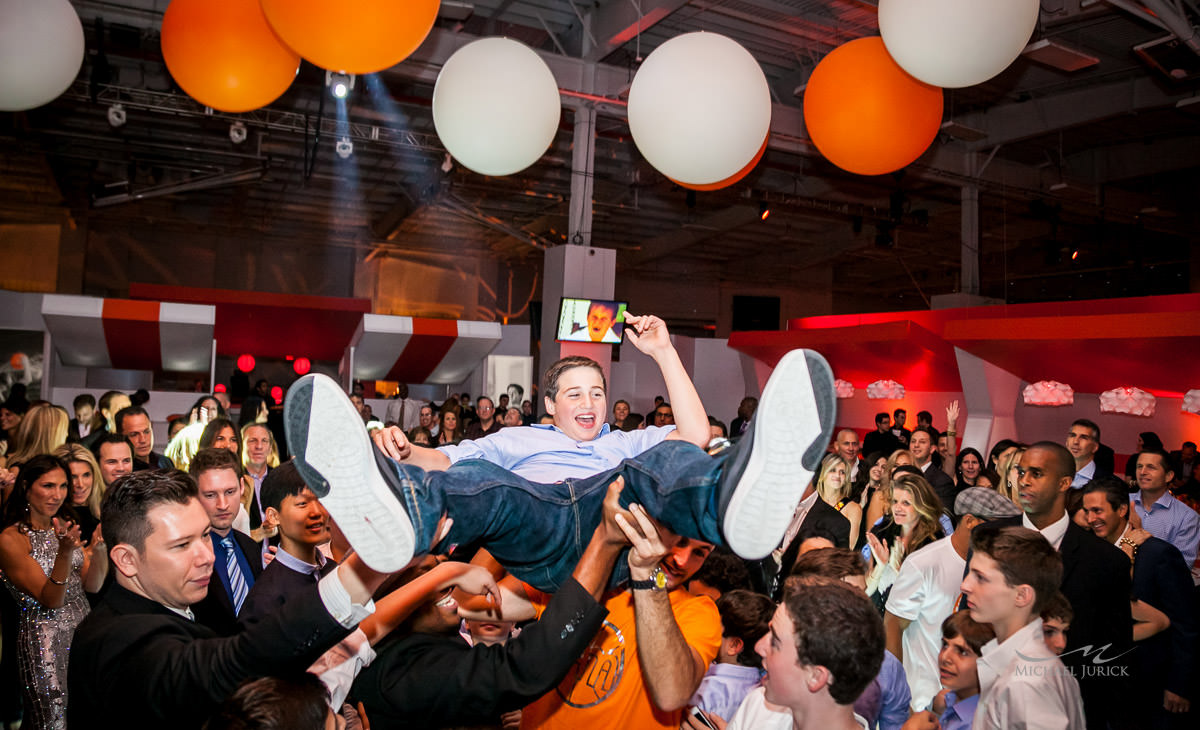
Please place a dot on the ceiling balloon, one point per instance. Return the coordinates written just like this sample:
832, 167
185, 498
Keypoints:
224, 55
352, 36
41, 51
865, 114
496, 106
699, 110
956, 43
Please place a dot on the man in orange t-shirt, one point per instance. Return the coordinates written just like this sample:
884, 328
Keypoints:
655, 646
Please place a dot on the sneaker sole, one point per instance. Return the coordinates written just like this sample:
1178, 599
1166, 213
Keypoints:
334, 455
793, 425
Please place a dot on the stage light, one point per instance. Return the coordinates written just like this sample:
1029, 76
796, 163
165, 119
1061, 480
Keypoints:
340, 85
344, 148
245, 363
237, 132
219, 388
116, 115
301, 365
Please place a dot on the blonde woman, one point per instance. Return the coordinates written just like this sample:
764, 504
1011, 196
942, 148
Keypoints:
87, 488
1009, 478
833, 486
41, 431
881, 502
912, 524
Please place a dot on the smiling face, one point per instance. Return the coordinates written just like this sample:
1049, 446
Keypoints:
877, 470
82, 481
684, 559
1102, 519
303, 522
226, 439
620, 411
174, 565
1152, 474
47, 494
921, 446
957, 667
848, 446
579, 406
971, 467
903, 511
116, 460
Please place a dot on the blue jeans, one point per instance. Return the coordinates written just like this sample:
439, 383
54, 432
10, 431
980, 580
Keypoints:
539, 531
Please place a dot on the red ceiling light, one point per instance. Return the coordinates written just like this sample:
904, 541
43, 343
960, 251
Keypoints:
277, 394
245, 363
219, 388
1191, 402
301, 365
1048, 393
885, 390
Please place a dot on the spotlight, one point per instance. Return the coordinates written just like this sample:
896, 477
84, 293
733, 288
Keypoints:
1075, 255
237, 132
116, 115
764, 210
340, 85
344, 148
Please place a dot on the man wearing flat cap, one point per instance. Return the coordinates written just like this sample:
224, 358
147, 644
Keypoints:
926, 591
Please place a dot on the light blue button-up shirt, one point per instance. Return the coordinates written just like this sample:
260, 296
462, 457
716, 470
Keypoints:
542, 453
1171, 520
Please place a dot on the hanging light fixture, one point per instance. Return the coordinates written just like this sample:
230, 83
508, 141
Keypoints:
1048, 393
1128, 400
1191, 402
885, 390
844, 388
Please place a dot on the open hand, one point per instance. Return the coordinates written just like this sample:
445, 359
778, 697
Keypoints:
647, 333
878, 549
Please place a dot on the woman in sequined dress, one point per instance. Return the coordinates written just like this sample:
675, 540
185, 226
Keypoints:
46, 570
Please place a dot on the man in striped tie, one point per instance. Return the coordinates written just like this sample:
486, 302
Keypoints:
237, 558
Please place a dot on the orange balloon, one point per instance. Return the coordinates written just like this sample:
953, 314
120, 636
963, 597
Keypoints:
352, 36
865, 113
732, 178
224, 55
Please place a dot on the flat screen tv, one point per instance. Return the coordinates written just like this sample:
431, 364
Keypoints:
591, 320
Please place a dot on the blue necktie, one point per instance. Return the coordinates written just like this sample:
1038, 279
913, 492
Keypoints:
237, 581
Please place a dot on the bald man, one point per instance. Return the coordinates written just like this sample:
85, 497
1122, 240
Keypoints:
846, 445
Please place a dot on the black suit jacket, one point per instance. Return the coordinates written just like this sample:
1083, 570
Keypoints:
1161, 578
943, 485
884, 443
822, 518
1096, 582
433, 681
216, 610
136, 664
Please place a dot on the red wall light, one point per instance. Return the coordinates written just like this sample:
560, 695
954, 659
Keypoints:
301, 365
219, 388
277, 394
245, 363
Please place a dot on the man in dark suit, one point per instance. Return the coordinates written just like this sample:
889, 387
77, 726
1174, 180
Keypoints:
813, 518
139, 661
134, 424
1161, 579
921, 444
238, 560
1095, 581
881, 440
1083, 441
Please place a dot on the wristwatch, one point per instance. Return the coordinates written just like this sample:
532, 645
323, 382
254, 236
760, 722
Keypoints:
657, 582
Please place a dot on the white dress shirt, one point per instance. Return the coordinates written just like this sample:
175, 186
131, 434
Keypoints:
1054, 532
1023, 685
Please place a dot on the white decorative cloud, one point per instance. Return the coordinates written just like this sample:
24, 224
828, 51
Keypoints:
1048, 393
1191, 402
1127, 399
886, 390
845, 389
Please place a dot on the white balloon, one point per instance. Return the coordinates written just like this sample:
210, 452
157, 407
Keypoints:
956, 43
496, 106
699, 108
41, 51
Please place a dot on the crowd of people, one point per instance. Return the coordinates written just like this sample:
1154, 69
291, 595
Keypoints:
469, 564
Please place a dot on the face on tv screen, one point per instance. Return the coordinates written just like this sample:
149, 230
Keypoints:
591, 320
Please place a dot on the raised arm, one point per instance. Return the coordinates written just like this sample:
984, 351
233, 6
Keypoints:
649, 335
395, 607
951, 438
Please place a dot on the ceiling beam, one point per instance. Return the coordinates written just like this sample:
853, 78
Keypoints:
691, 233
616, 23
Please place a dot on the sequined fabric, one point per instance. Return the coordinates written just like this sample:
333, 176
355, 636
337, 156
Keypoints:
44, 638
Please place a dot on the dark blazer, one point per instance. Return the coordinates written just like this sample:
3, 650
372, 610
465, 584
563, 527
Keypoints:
884, 443
943, 485
1161, 578
1096, 582
434, 681
156, 461
822, 518
137, 664
216, 610
277, 585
